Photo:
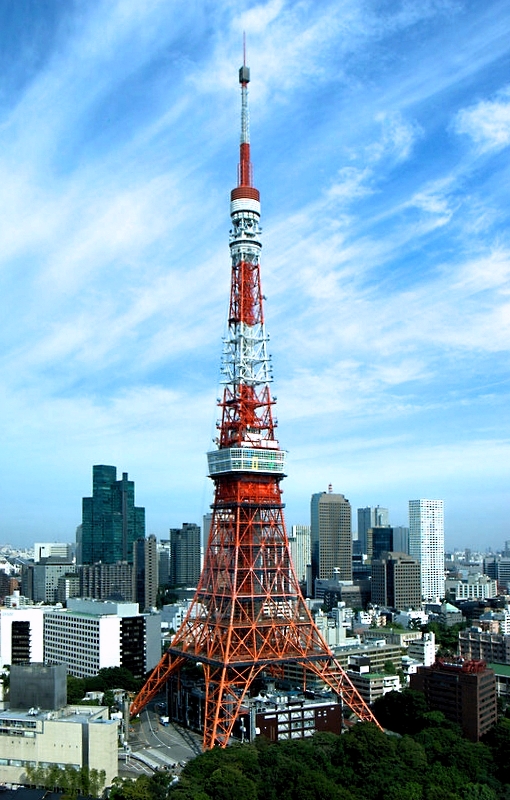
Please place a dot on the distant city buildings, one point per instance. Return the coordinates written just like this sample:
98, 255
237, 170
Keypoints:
300, 550
331, 536
396, 581
370, 517
426, 544
145, 572
185, 556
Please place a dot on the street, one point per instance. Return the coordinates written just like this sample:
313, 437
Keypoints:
154, 746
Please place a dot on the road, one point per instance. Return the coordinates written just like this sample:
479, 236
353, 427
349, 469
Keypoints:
154, 746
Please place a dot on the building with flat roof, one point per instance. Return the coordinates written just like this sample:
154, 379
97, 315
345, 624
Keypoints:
91, 635
300, 549
145, 572
396, 581
475, 644
39, 729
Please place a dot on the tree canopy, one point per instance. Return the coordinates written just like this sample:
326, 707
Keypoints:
429, 760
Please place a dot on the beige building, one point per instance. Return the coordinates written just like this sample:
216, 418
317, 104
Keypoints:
79, 736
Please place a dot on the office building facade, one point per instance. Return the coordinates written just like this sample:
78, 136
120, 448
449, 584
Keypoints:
396, 581
426, 544
107, 581
91, 635
331, 536
465, 692
111, 522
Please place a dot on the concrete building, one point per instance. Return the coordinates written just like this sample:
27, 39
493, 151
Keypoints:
300, 549
40, 730
111, 522
370, 517
39, 581
424, 649
91, 635
473, 587
60, 551
185, 555
396, 581
477, 645
498, 567
465, 692
372, 685
331, 536
426, 544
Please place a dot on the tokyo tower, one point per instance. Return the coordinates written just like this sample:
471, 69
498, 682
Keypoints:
248, 615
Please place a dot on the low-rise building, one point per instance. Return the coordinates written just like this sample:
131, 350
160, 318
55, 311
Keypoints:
48, 733
372, 685
473, 587
476, 644
424, 649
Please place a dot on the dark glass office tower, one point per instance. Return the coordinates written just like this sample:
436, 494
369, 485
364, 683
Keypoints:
110, 520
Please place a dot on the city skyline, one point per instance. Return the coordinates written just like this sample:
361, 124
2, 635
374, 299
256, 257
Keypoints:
382, 168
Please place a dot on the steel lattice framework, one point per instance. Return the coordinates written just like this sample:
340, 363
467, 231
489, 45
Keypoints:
248, 614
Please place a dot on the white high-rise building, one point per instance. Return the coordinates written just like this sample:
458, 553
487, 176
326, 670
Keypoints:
426, 544
300, 549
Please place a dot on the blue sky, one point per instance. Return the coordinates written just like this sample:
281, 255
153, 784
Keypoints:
380, 139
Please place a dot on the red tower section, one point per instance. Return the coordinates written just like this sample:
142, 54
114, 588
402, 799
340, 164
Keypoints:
248, 615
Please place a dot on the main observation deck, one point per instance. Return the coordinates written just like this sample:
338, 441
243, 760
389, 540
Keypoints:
246, 459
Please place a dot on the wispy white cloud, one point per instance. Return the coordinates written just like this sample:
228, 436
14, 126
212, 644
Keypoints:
487, 122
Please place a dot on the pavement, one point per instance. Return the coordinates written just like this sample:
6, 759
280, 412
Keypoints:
153, 746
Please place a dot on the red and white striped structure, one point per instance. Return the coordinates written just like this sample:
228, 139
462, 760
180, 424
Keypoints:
248, 615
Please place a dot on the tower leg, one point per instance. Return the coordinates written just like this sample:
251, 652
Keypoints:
225, 690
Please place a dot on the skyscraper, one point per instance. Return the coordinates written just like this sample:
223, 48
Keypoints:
110, 520
331, 536
185, 555
145, 572
426, 544
299, 543
370, 517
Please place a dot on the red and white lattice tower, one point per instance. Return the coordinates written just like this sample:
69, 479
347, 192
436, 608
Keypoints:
248, 615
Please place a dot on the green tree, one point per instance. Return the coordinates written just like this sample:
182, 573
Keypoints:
401, 712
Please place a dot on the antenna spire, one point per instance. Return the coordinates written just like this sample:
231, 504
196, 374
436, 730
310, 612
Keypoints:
245, 172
